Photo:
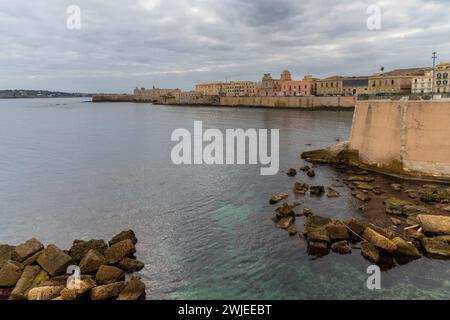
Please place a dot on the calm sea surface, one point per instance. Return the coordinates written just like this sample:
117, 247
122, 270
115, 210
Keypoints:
71, 169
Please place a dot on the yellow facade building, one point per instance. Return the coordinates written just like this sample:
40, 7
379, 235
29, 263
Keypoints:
240, 89
441, 78
210, 88
395, 82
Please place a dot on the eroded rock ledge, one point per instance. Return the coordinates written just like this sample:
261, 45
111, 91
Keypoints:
31, 271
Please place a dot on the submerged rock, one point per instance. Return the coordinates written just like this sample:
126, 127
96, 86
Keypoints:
396, 221
311, 173
301, 188
333, 193
291, 172
285, 223
317, 190
366, 179
341, 247
278, 197
286, 210
395, 206
315, 221
317, 234
396, 186
339, 154
305, 168
318, 248
362, 196
292, 230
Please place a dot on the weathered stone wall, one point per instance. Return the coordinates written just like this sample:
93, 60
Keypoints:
409, 136
113, 98
290, 102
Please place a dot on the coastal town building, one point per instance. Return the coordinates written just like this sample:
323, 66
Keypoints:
353, 86
423, 84
308, 86
441, 78
156, 93
240, 89
290, 88
395, 82
268, 86
330, 86
210, 88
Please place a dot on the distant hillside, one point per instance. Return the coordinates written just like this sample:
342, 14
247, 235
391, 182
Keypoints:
11, 94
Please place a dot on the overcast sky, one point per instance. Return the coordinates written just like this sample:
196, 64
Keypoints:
176, 43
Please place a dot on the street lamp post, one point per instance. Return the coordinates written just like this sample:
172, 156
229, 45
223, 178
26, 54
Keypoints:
434, 76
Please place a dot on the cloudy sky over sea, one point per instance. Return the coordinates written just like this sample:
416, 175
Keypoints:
176, 43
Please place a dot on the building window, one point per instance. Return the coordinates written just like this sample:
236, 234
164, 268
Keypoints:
392, 82
439, 75
446, 75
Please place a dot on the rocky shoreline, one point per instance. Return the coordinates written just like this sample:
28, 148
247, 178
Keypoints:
31, 271
418, 218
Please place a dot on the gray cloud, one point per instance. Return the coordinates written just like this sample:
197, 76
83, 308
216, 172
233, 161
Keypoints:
175, 43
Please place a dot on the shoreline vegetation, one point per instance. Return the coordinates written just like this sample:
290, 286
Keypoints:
31, 271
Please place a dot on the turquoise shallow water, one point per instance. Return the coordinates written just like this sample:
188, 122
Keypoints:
72, 169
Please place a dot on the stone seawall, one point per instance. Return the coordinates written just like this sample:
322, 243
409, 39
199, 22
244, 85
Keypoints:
291, 102
411, 137
341, 103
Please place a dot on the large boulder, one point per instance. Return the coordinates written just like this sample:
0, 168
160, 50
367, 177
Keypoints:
5, 253
379, 240
25, 282
81, 247
285, 223
124, 235
436, 248
133, 290
119, 250
131, 265
45, 293
10, 273
414, 210
356, 229
74, 293
405, 248
108, 291
91, 262
371, 253
278, 197
337, 231
54, 260
26, 250
431, 224
109, 274
317, 234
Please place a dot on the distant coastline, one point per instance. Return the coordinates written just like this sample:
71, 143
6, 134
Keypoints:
36, 94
